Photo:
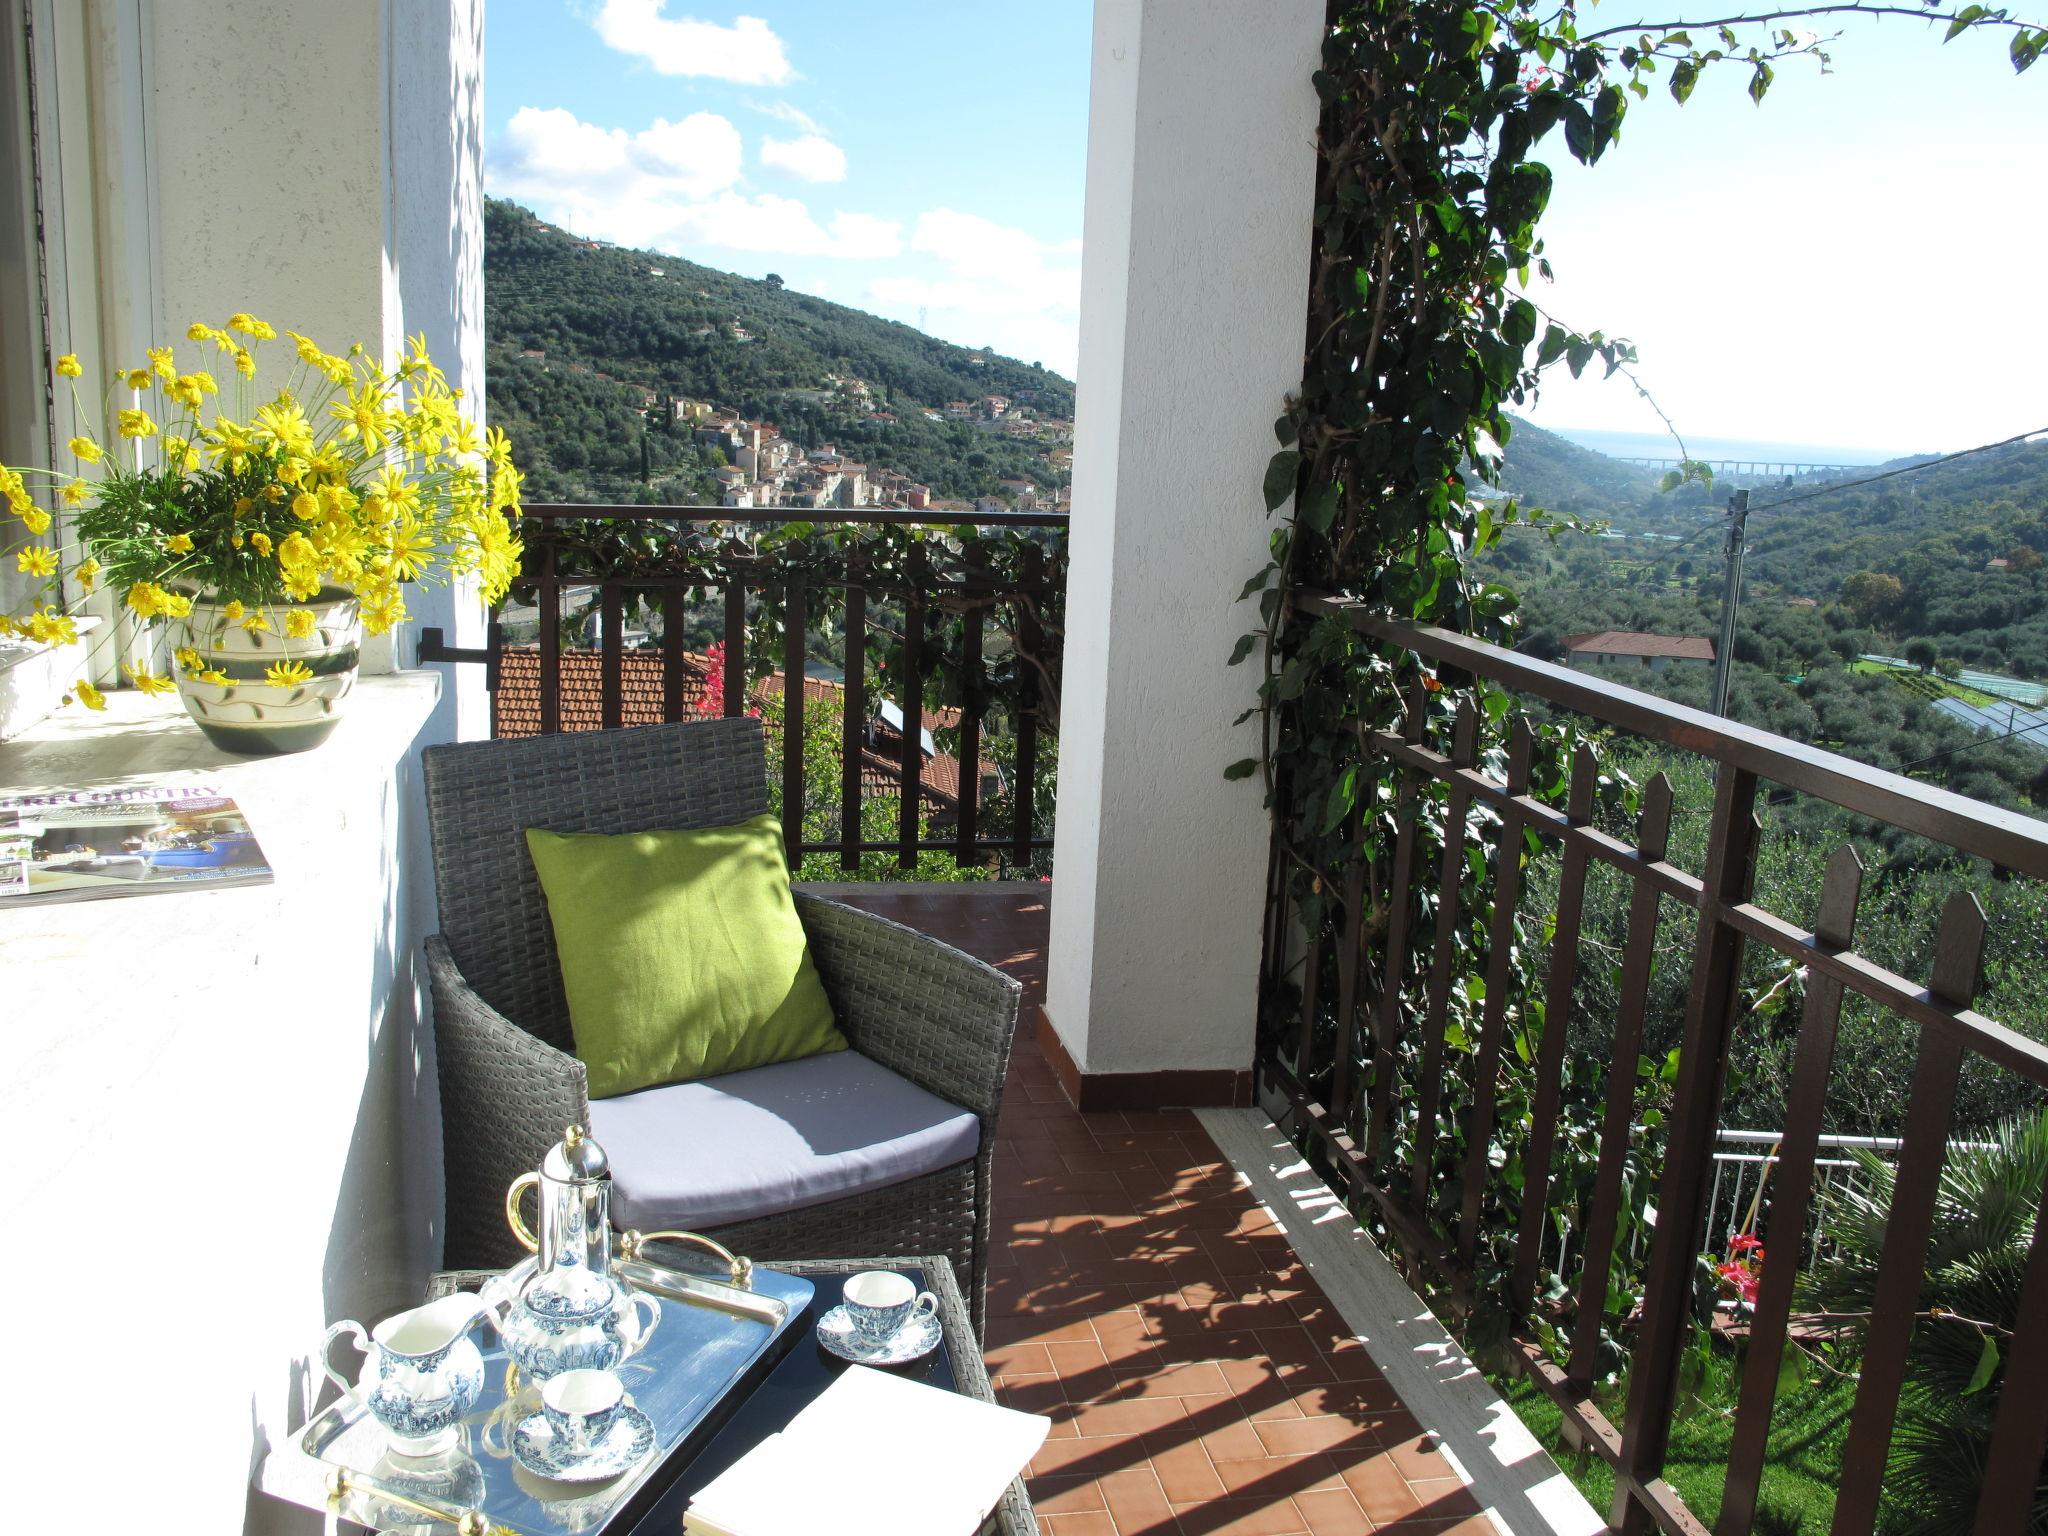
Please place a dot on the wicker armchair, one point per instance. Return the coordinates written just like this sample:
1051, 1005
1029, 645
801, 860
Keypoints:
509, 1080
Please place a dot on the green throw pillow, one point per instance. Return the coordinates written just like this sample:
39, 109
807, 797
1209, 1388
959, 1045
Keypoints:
682, 954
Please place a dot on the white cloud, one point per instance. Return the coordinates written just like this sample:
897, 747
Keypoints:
997, 286
812, 157
788, 112
550, 151
746, 53
782, 226
671, 186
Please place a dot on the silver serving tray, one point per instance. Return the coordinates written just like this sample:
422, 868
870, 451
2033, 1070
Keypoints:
710, 1333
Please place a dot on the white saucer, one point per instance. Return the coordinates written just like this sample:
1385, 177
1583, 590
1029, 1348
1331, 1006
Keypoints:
913, 1341
630, 1438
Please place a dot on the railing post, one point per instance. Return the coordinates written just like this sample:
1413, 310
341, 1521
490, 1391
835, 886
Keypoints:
1450, 881
854, 711
911, 824
735, 679
1902, 1263
973, 588
1557, 1010
675, 597
1400, 900
548, 599
1639, 953
1804, 1106
1709, 1016
793, 622
612, 655
1500, 948
1030, 643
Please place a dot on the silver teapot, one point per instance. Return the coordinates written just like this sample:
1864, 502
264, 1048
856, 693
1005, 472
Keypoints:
575, 1184
564, 1309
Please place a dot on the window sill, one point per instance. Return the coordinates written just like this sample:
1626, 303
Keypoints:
301, 807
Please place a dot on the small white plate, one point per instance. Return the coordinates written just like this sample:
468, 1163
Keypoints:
913, 1341
630, 1438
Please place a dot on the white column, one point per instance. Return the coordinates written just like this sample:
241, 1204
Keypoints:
1201, 162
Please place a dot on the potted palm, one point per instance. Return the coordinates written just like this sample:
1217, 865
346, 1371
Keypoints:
264, 532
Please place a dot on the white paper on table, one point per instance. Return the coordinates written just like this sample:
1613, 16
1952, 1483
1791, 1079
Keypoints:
873, 1455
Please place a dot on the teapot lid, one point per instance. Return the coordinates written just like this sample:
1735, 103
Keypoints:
575, 1158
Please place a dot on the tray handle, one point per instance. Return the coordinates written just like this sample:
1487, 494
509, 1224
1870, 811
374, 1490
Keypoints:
741, 1270
340, 1483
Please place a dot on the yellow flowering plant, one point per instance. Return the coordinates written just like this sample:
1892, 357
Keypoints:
355, 477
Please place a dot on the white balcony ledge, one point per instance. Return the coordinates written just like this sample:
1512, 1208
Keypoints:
230, 1084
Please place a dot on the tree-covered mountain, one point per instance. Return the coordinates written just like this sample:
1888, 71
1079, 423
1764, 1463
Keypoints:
1943, 565
1544, 470
577, 333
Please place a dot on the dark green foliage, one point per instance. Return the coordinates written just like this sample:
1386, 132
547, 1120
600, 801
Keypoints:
609, 329
1542, 469
1976, 1264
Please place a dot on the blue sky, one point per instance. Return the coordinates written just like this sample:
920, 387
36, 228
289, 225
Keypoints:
1857, 262
896, 155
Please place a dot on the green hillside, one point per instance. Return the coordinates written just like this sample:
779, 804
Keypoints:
1544, 470
1944, 521
610, 327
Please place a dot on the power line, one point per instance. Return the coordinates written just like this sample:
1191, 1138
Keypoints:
1890, 474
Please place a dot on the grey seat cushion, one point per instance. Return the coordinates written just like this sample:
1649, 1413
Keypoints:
772, 1139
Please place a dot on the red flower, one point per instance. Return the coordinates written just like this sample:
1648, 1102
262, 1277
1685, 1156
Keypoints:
1743, 1270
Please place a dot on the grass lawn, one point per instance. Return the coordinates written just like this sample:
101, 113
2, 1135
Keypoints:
1807, 1430
1928, 685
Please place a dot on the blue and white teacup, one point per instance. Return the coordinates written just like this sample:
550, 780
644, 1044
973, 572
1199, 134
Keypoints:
581, 1407
879, 1303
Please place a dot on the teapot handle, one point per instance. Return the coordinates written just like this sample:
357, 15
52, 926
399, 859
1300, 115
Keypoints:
513, 1219
362, 1342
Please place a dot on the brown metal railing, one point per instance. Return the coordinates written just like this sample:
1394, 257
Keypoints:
845, 588
1359, 1131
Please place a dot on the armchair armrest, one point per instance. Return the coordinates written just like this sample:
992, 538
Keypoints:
921, 1008
505, 1097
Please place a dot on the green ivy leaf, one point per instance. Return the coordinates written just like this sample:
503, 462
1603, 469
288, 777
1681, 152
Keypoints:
1243, 768
1242, 649
1318, 508
1281, 474
1987, 1366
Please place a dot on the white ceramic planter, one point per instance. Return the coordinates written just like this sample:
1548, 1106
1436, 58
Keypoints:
248, 713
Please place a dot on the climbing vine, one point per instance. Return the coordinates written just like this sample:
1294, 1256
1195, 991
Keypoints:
1425, 326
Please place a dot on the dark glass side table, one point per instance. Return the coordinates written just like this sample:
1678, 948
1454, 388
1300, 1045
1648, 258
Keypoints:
762, 1404
807, 1369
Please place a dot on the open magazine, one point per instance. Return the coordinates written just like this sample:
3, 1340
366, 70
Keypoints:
77, 845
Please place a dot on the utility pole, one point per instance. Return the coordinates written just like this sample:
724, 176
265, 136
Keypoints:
1731, 598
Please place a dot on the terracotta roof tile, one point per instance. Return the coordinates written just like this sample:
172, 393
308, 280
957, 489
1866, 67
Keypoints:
1634, 643
515, 709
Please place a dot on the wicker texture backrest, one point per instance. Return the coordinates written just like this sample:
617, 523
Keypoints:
483, 795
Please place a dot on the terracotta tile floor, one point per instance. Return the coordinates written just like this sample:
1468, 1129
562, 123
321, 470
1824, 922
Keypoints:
1198, 1381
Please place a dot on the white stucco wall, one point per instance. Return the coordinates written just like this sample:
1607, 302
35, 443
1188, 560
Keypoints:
337, 190
236, 1086
229, 1114
1194, 286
